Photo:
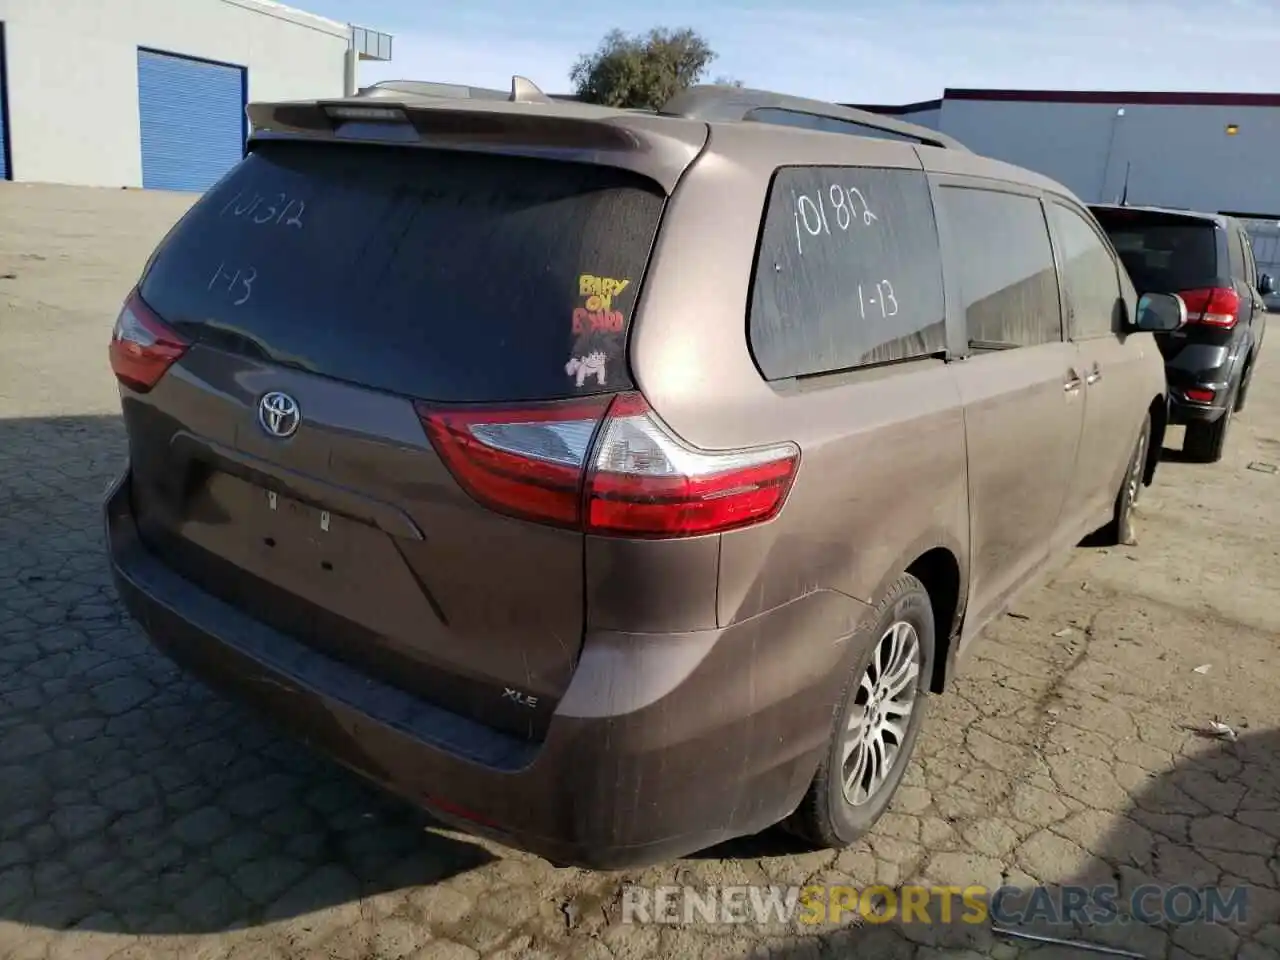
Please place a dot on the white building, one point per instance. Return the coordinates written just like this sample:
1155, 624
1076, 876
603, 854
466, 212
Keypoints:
151, 93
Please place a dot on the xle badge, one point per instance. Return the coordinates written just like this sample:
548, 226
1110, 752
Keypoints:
521, 698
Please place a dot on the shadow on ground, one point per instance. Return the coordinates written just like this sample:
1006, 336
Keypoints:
133, 799
1204, 836
1170, 455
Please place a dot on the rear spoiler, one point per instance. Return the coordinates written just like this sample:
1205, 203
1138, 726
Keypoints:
658, 148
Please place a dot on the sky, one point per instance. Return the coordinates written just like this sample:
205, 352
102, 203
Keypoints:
873, 51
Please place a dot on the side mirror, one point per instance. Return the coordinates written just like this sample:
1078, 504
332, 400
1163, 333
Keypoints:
1160, 312
1267, 285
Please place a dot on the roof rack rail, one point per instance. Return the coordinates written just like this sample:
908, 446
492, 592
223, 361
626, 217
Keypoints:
522, 90
713, 102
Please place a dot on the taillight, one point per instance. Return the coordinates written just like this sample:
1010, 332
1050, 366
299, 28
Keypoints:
142, 347
1199, 394
526, 462
607, 467
1212, 306
644, 482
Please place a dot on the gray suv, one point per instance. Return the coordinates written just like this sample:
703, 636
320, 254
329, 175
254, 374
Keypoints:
615, 483
1205, 258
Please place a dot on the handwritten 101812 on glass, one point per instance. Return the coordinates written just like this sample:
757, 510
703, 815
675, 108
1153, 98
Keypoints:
261, 209
848, 272
282, 211
850, 210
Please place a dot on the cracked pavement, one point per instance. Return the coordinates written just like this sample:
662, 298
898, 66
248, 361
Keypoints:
143, 816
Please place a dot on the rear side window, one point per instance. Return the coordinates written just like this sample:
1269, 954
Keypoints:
1250, 275
1006, 272
1089, 276
1163, 255
1238, 268
438, 275
848, 272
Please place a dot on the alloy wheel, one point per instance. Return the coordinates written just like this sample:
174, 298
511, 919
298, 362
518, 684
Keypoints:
881, 713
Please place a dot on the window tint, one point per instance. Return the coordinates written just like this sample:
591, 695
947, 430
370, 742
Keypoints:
848, 273
1089, 276
1007, 277
1238, 269
1250, 265
1163, 254
439, 275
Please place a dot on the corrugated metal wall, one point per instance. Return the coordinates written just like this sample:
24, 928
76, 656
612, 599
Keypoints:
191, 114
1176, 155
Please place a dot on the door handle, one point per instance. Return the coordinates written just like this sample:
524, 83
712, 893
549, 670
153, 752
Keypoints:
1073, 383
1094, 375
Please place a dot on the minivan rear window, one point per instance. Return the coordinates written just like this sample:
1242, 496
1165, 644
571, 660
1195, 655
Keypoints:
1163, 255
440, 275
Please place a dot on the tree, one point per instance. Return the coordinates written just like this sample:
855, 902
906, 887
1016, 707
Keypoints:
642, 70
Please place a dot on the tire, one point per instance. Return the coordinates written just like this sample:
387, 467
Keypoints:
1205, 442
1120, 531
826, 818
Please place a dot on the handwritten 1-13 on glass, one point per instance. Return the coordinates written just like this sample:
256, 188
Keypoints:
848, 204
884, 299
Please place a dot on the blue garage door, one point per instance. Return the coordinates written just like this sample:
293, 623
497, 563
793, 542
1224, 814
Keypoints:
4, 111
192, 117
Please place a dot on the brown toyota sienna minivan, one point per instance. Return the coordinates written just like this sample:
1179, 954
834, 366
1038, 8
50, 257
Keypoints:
611, 482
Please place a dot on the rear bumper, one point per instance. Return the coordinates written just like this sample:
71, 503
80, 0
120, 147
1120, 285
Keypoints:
661, 746
1197, 367
1184, 411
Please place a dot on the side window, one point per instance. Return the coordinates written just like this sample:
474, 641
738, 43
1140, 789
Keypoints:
1239, 270
1250, 264
1007, 277
848, 272
1089, 276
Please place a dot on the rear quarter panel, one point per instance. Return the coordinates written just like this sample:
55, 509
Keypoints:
882, 474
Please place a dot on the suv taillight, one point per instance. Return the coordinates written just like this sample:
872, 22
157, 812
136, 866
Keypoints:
1212, 306
607, 466
142, 348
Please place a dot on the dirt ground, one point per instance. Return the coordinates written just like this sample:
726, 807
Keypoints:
142, 816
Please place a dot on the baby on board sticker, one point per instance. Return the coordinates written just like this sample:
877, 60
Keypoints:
598, 325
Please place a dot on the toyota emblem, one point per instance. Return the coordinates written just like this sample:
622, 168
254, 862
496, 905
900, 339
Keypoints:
278, 414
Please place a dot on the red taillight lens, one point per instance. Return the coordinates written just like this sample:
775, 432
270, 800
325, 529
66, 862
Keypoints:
608, 468
526, 462
1212, 306
1199, 395
142, 348
644, 482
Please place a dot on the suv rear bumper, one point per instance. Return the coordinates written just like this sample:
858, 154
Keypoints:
1183, 410
661, 746
1198, 367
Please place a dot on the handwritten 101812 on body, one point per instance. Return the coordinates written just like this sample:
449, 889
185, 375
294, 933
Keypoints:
848, 208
